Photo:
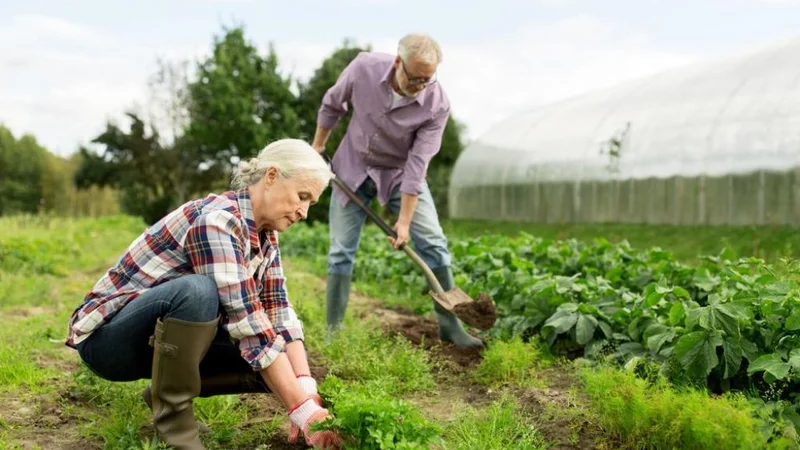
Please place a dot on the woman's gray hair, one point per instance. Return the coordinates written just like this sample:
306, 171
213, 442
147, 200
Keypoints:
294, 158
420, 47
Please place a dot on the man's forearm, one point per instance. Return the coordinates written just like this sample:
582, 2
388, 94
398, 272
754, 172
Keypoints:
320, 138
408, 203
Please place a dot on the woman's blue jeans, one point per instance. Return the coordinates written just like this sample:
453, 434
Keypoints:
120, 349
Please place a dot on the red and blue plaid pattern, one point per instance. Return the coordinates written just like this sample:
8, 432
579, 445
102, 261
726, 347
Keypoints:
217, 237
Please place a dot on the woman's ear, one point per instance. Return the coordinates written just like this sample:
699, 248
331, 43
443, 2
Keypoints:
271, 176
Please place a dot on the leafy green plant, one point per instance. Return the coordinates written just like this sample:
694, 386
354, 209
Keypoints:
369, 417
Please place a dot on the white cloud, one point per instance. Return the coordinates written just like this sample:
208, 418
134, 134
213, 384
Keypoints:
60, 80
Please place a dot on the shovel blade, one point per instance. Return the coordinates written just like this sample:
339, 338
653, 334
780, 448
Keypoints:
480, 314
452, 298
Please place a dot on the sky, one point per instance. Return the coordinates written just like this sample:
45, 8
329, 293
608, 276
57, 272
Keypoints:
68, 67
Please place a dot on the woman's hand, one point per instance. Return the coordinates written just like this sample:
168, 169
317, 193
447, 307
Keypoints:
309, 413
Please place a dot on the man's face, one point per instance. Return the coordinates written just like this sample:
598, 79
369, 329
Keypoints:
413, 76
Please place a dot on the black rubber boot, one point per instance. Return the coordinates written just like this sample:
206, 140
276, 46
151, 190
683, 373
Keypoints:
338, 292
450, 328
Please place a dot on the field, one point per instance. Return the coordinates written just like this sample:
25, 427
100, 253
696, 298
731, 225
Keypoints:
600, 344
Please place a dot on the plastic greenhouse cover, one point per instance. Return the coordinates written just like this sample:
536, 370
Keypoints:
735, 116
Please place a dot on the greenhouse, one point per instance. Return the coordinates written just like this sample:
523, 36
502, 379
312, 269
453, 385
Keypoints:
713, 143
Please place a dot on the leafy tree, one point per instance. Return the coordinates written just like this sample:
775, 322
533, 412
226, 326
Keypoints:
22, 165
239, 103
136, 163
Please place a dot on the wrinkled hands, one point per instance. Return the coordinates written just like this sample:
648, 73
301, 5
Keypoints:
401, 228
328, 439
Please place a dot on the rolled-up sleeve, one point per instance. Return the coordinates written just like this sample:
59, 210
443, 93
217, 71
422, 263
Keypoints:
214, 245
276, 300
427, 143
334, 102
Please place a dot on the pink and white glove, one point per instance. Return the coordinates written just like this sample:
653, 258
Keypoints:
305, 415
309, 386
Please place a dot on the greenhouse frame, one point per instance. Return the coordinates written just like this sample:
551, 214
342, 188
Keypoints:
706, 144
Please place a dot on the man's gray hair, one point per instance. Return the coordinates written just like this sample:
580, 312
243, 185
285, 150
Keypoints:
420, 47
294, 158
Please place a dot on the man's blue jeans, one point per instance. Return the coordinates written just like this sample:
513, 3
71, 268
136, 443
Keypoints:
347, 222
120, 350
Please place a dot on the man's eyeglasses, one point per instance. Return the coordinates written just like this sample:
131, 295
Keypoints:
415, 81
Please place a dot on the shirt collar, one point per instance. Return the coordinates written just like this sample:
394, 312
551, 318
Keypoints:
246, 210
387, 81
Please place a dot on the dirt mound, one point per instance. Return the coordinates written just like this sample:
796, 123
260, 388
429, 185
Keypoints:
479, 313
424, 333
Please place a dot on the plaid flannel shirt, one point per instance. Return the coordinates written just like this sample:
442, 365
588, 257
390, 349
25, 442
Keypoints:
217, 237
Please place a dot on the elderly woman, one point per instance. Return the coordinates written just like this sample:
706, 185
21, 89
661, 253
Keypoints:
198, 302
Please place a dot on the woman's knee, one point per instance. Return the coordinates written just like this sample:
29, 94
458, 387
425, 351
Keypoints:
197, 299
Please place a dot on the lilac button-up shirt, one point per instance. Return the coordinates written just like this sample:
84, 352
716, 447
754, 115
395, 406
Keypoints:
390, 145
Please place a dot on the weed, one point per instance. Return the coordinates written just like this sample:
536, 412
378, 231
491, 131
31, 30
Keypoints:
501, 426
512, 362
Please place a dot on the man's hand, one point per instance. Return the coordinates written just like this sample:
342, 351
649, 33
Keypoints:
401, 228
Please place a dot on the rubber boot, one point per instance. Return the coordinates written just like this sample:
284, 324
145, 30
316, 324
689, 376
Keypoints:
221, 384
338, 291
450, 327
178, 348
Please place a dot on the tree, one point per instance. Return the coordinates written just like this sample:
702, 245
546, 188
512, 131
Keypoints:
22, 165
135, 162
239, 103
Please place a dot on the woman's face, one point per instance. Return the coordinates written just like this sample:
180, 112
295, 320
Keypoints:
284, 202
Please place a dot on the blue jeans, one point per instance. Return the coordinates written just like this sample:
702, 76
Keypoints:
346, 224
120, 350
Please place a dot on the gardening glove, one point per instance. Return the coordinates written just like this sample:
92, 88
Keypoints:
309, 386
309, 413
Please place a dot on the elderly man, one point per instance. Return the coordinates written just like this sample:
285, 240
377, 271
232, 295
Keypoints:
399, 115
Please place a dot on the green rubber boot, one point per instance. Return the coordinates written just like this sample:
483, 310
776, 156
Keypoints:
338, 291
450, 328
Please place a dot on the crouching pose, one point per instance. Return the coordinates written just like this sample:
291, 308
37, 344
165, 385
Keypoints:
198, 303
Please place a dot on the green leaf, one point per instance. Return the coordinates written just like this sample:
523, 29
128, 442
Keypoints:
793, 321
657, 335
681, 292
772, 364
794, 359
732, 353
584, 329
561, 321
717, 316
653, 299
697, 352
605, 328
677, 313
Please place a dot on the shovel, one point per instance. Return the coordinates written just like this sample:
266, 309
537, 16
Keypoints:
479, 313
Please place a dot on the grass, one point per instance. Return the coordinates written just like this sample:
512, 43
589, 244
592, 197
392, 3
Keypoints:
512, 362
46, 266
501, 426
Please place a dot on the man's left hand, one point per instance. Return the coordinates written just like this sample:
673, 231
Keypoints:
401, 228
